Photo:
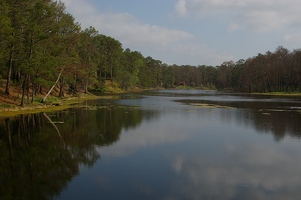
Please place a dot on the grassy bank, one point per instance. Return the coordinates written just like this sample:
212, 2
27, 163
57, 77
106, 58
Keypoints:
10, 104
53, 104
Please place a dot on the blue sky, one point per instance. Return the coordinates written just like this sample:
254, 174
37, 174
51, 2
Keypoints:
194, 32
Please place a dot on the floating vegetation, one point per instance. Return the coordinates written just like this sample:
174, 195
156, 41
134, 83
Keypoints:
205, 105
290, 109
104, 106
298, 108
271, 110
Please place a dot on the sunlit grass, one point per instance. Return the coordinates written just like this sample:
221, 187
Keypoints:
52, 104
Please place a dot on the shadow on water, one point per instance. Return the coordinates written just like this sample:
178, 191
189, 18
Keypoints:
41, 153
278, 116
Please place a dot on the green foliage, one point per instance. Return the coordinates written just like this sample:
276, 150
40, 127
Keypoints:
151, 74
168, 77
45, 39
127, 74
109, 54
4, 23
270, 72
39, 39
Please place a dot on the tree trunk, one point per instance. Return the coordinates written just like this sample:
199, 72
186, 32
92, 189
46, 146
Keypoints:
33, 92
57, 80
75, 85
111, 74
61, 94
23, 90
40, 89
27, 88
86, 87
9, 72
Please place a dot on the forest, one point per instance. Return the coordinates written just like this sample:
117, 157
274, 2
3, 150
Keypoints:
42, 47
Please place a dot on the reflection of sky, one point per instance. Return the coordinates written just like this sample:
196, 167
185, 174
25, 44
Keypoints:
195, 153
255, 170
213, 157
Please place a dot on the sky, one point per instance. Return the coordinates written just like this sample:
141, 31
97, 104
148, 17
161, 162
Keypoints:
194, 32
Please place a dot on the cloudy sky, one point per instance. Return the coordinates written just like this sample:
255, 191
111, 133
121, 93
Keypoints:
194, 32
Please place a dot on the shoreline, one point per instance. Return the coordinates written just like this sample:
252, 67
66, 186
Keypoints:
71, 101
12, 109
38, 108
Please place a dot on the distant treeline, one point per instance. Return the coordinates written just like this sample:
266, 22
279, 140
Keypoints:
41, 44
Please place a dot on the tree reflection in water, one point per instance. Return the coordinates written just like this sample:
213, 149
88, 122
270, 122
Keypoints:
268, 117
41, 153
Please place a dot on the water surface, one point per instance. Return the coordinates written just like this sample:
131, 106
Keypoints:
169, 144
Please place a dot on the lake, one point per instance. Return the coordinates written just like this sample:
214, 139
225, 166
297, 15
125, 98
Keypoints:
166, 144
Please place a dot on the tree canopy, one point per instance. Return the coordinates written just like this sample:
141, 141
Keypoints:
41, 46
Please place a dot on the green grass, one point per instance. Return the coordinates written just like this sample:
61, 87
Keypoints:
6, 106
37, 107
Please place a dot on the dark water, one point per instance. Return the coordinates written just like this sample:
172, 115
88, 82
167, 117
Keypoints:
156, 145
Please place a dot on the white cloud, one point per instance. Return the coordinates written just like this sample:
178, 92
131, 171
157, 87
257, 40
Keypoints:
181, 7
194, 53
248, 14
124, 26
79, 8
173, 46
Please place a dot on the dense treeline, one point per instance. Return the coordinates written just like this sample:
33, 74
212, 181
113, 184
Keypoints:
279, 71
42, 46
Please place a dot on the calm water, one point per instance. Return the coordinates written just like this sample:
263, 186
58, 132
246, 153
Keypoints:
156, 145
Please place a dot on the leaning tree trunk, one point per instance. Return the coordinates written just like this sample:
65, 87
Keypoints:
57, 80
